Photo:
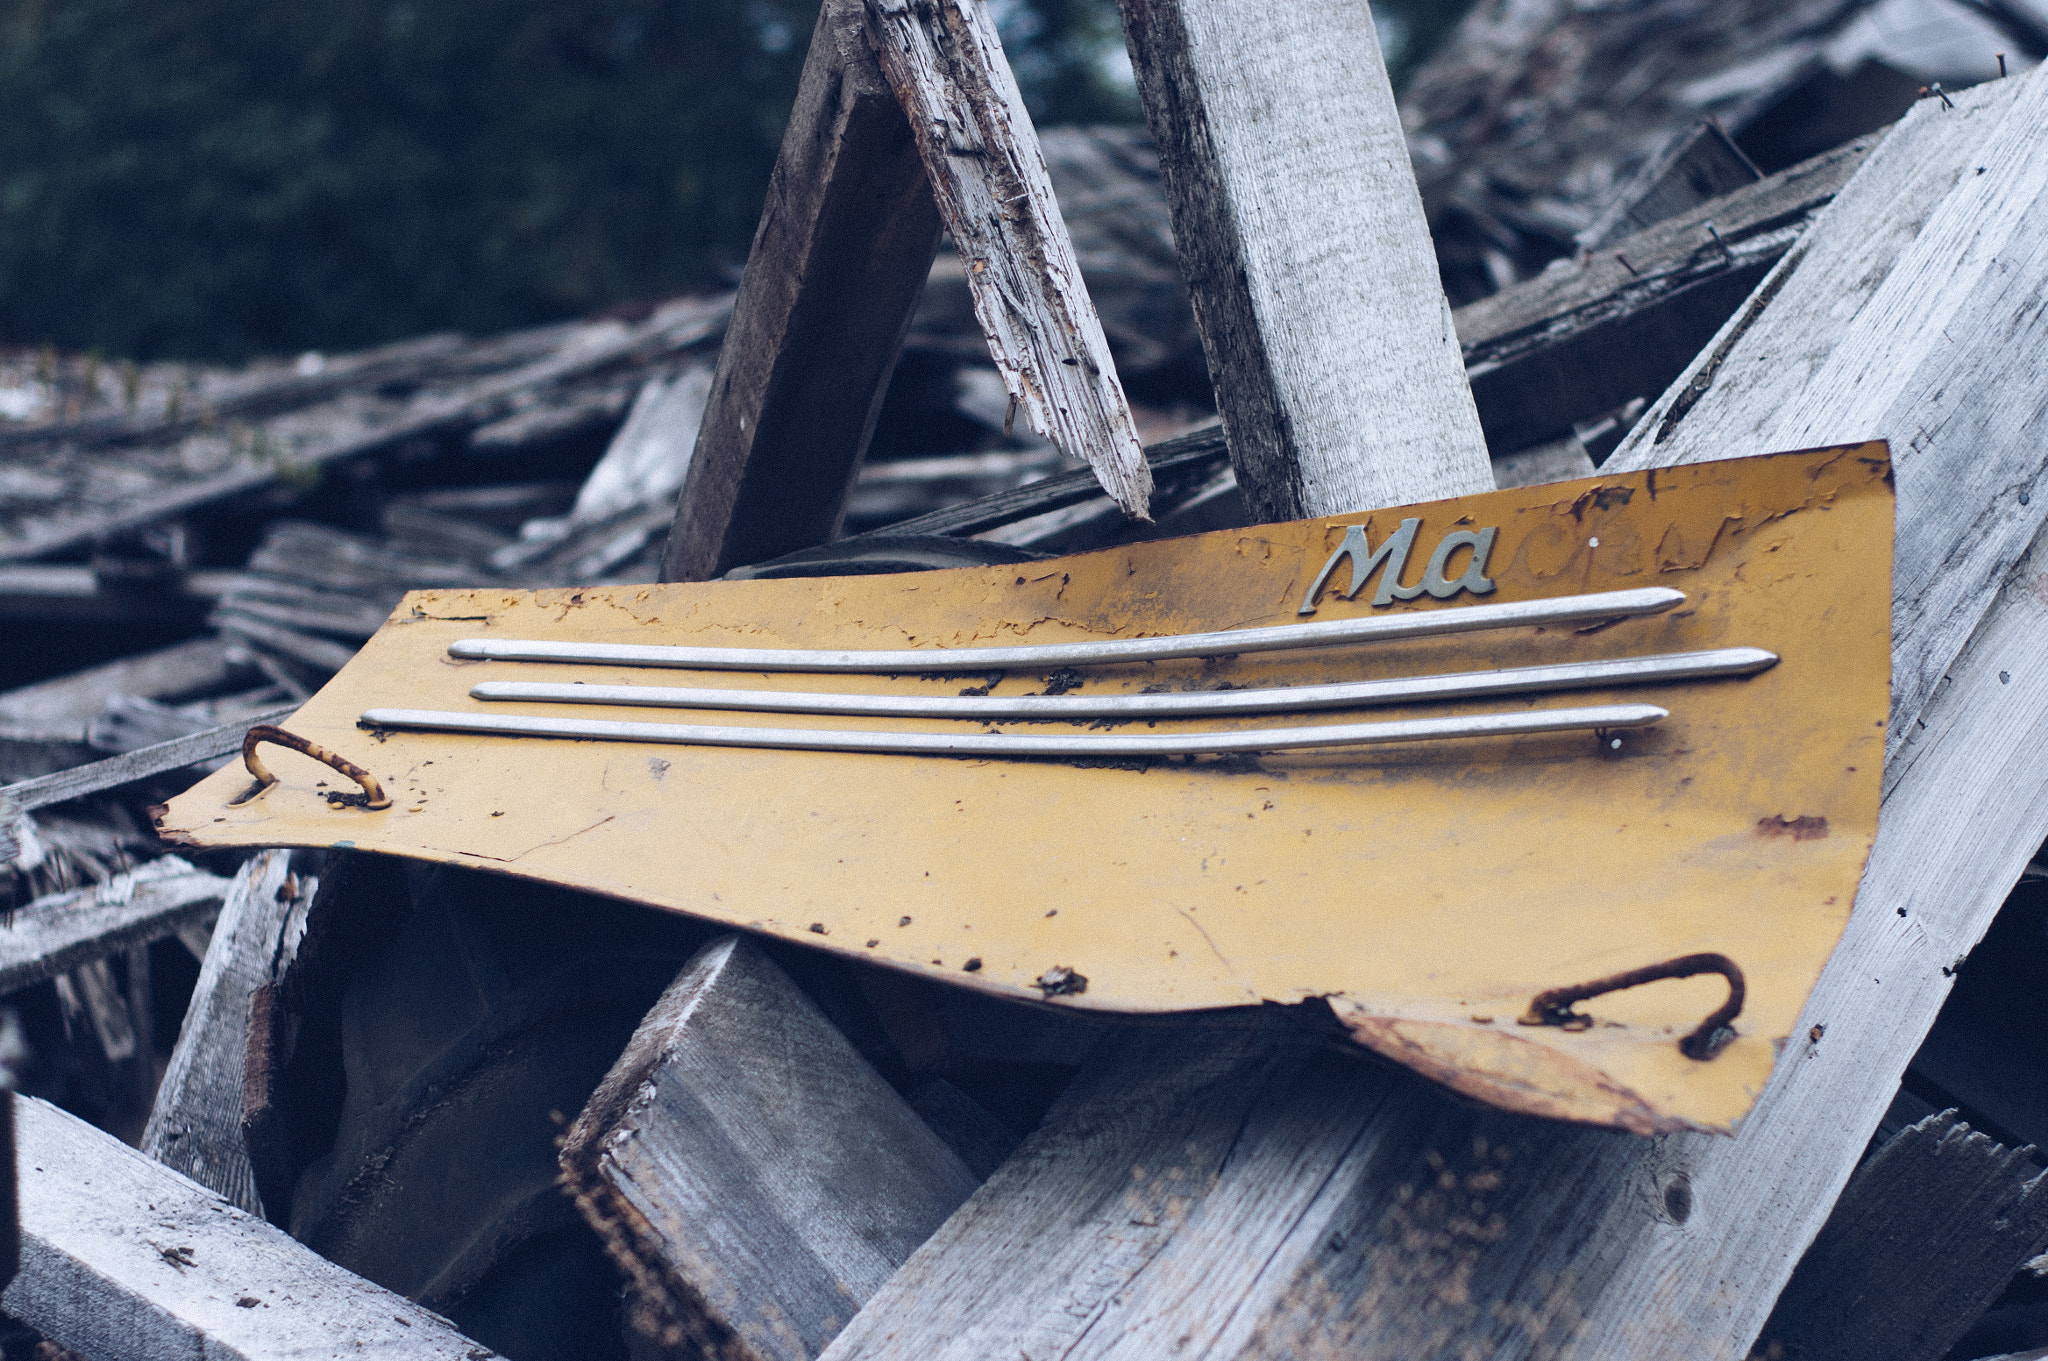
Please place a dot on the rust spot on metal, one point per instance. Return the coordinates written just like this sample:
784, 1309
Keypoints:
1061, 981
373, 795
1799, 828
1712, 1035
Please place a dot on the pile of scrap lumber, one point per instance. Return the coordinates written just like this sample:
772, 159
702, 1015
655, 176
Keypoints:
413, 1112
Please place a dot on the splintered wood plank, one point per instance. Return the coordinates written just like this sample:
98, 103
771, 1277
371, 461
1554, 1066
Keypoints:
125, 1260
947, 66
1442, 1230
1304, 247
196, 1126
754, 1176
1590, 334
1910, 313
1346, 1209
62, 931
837, 266
1927, 1236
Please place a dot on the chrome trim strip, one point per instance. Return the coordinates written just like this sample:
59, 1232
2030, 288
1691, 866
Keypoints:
1574, 609
1000, 745
1668, 667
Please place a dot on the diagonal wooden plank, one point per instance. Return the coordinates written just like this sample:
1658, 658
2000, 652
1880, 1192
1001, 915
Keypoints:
1446, 1231
1303, 243
947, 66
125, 1260
838, 262
1894, 320
61, 931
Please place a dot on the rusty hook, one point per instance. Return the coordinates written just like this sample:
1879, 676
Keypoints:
1555, 1006
372, 797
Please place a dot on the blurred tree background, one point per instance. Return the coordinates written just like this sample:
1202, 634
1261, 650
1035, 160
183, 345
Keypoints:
221, 178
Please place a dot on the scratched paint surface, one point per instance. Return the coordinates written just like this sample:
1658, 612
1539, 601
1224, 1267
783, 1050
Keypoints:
1427, 891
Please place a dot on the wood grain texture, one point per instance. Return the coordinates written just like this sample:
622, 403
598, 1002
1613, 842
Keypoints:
139, 764
1925, 1238
1303, 244
55, 934
758, 1179
196, 1126
947, 67
125, 1260
1581, 1244
1910, 313
1329, 1229
1588, 335
837, 265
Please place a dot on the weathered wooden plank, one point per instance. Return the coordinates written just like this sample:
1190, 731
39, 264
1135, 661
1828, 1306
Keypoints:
1700, 163
68, 702
1586, 336
837, 265
1580, 1245
1303, 244
57, 933
135, 765
196, 1126
1330, 1228
947, 67
754, 1175
1924, 1239
126, 1260
1901, 316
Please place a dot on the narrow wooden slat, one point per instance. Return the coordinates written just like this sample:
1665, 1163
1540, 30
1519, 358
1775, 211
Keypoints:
125, 1260
756, 1177
1905, 315
1303, 243
1422, 1240
947, 66
196, 1126
55, 934
131, 766
1366, 1214
838, 263
1622, 322
1924, 1240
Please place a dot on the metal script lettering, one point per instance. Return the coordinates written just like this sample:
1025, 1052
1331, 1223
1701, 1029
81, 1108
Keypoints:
1390, 559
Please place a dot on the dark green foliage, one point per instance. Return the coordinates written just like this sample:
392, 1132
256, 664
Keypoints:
219, 178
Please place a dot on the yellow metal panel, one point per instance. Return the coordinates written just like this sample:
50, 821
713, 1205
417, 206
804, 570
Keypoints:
1428, 891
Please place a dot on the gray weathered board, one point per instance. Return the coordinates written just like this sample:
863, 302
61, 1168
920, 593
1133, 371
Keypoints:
837, 266
124, 1259
62, 931
196, 1126
1303, 243
757, 1179
1925, 1238
947, 67
1365, 1214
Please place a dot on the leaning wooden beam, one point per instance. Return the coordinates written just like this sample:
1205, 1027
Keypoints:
1396, 1223
125, 1260
196, 1126
1619, 323
1905, 315
60, 932
130, 766
755, 1177
948, 68
1927, 1236
1344, 1209
837, 266
1303, 243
